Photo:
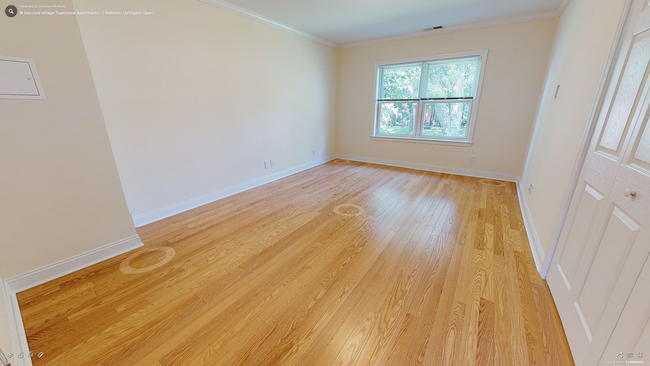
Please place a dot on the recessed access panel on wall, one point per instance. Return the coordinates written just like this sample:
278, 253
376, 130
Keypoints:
19, 79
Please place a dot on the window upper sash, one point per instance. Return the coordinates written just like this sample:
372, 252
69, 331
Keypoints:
448, 79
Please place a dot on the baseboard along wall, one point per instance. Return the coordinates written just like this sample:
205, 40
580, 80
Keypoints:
61, 268
181, 207
30, 279
531, 232
17, 329
433, 168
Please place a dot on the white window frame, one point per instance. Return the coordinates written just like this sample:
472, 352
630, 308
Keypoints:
474, 106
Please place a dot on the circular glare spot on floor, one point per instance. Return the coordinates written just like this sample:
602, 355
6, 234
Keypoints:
125, 266
348, 210
492, 182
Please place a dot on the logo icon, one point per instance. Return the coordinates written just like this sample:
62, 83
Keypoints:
639, 355
11, 11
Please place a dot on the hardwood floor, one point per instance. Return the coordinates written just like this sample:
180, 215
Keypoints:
429, 269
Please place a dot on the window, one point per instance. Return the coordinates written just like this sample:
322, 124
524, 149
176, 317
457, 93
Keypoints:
434, 99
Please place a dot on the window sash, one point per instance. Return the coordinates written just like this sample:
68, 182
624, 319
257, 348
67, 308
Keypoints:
384, 68
418, 108
418, 127
477, 59
420, 122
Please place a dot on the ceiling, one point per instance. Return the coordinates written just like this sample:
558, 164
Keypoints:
350, 21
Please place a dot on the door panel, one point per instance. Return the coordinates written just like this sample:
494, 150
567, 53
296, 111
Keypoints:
644, 22
627, 94
632, 333
642, 153
589, 205
613, 249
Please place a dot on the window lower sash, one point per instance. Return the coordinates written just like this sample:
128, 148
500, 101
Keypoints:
432, 118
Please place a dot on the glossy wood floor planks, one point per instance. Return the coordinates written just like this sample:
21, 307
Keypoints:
421, 268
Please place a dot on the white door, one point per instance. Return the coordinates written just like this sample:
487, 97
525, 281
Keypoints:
604, 246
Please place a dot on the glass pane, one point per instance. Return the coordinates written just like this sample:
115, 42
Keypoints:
446, 119
400, 82
397, 118
453, 78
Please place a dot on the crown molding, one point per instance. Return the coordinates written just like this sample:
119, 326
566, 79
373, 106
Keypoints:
262, 19
459, 28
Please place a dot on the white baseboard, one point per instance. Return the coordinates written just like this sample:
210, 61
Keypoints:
433, 168
181, 207
17, 329
55, 270
531, 232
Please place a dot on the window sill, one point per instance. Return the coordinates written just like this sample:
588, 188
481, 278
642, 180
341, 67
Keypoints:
422, 140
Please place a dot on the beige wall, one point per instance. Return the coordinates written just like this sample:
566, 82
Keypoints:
59, 188
585, 35
514, 76
195, 100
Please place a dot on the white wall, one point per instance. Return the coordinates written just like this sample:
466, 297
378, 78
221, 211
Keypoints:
196, 98
60, 192
584, 38
514, 77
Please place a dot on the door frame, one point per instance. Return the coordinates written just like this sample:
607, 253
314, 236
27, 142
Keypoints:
605, 79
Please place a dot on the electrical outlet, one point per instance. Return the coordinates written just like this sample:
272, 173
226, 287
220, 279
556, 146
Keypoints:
272, 161
530, 189
266, 164
472, 159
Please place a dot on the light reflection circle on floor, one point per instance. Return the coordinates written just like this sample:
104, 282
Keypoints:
337, 210
492, 182
125, 266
